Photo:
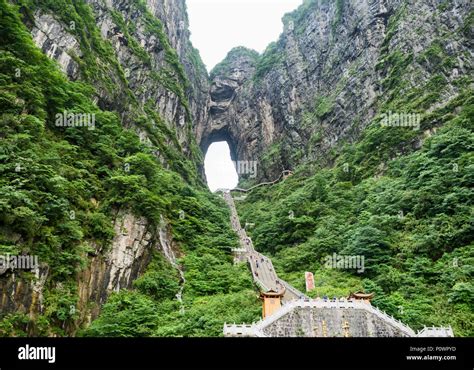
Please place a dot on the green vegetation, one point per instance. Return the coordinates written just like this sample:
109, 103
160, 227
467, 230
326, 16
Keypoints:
98, 65
297, 15
407, 212
238, 52
61, 187
195, 58
215, 292
468, 23
436, 58
411, 222
337, 14
270, 58
322, 106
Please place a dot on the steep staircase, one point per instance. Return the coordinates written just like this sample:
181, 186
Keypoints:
302, 316
263, 272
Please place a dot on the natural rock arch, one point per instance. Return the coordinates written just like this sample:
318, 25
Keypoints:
223, 121
221, 134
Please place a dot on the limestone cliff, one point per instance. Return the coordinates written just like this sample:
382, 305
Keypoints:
140, 60
336, 66
153, 63
124, 261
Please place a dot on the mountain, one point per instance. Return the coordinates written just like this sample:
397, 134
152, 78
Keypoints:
336, 68
107, 111
115, 207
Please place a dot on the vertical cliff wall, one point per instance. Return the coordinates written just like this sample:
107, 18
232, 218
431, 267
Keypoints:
337, 66
138, 58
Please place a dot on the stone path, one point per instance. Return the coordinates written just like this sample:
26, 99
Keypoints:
261, 266
284, 174
266, 278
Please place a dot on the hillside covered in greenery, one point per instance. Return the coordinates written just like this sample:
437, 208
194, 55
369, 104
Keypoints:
412, 223
61, 187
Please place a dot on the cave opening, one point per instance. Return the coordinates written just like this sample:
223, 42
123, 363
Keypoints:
219, 167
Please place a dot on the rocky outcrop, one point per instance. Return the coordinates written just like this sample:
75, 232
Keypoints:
225, 116
319, 86
144, 61
150, 53
52, 37
326, 77
125, 260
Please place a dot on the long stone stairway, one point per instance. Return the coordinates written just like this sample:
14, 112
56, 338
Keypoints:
302, 316
263, 272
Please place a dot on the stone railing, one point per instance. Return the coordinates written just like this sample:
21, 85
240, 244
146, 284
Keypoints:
240, 330
392, 320
436, 332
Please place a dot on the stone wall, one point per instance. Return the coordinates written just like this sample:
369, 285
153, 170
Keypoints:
328, 318
329, 322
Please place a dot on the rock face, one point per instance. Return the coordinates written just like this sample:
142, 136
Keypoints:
151, 66
326, 77
126, 259
124, 262
145, 59
317, 87
20, 295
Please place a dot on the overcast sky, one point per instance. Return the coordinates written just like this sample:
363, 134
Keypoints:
216, 27
219, 25
220, 171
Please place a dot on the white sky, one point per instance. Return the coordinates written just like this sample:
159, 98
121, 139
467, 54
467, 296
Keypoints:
219, 25
216, 27
220, 171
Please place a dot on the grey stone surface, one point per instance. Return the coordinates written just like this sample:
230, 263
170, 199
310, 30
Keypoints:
329, 55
